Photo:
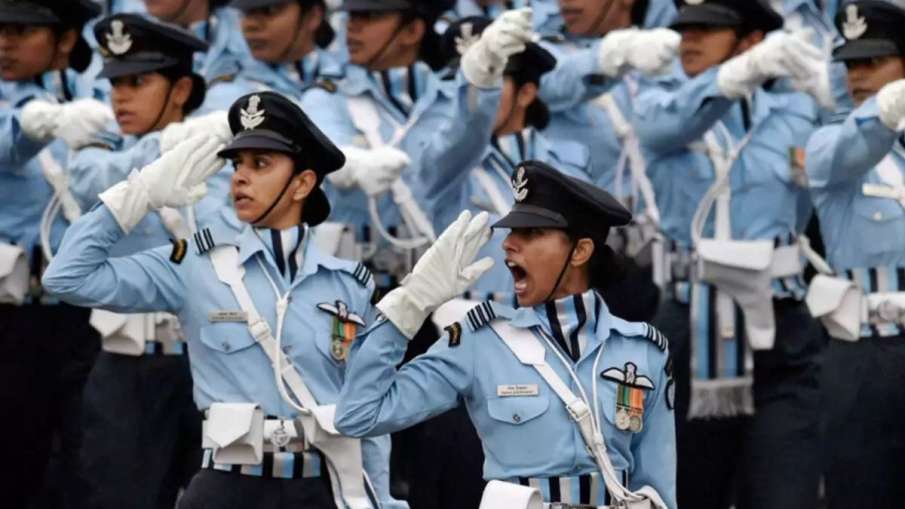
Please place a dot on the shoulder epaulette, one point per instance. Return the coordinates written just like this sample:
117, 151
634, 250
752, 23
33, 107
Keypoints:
204, 241
656, 337
361, 274
480, 315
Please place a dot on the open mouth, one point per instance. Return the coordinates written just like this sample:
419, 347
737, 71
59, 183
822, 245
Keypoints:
519, 276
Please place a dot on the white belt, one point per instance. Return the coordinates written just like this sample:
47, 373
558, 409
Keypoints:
277, 435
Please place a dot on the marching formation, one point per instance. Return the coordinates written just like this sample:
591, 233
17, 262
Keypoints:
494, 254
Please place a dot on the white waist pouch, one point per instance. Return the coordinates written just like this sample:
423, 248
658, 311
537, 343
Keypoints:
837, 303
742, 269
14, 274
127, 334
506, 495
235, 433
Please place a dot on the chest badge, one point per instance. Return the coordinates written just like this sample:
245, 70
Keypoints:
630, 393
344, 328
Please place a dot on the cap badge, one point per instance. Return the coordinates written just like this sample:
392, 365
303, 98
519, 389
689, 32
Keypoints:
520, 184
854, 25
467, 38
118, 41
251, 116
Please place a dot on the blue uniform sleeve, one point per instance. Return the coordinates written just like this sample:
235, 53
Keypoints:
376, 399
83, 274
329, 112
841, 152
654, 449
16, 148
668, 119
575, 79
93, 170
460, 145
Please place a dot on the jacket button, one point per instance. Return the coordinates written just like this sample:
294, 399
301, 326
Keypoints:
516, 418
226, 347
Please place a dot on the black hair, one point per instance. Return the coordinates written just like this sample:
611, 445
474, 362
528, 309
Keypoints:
196, 98
639, 12
537, 114
605, 268
324, 34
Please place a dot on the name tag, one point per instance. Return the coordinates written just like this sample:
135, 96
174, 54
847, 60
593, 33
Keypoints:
516, 390
227, 316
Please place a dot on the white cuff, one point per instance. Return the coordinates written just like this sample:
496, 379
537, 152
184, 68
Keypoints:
400, 309
127, 201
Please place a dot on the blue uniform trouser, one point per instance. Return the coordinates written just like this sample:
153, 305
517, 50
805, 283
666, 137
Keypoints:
142, 431
769, 460
46, 352
213, 489
864, 403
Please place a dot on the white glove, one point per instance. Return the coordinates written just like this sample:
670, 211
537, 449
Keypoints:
374, 170
215, 124
649, 51
176, 179
782, 55
445, 271
484, 61
76, 122
891, 102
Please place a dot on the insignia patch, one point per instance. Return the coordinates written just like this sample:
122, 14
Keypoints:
344, 329
520, 184
455, 334
250, 116
118, 41
796, 166
629, 396
467, 38
327, 85
854, 25
656, 337
204, 241
180, 248
480, 315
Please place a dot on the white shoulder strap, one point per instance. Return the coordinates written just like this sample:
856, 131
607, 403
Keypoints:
343, 454
529, 350
891, 175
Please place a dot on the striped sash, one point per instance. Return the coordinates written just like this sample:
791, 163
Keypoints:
587, 489
275, 465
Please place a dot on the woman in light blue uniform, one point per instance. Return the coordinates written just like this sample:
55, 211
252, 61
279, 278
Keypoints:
618, 372
856, 170
517, 136
269, 283
142, 376
49, 106
288, 41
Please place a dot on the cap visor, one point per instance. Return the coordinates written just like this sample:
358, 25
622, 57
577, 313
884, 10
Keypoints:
375, 5
865, 48
114, 68
27, 14
705, 15
245, 5
529, 216
258, 139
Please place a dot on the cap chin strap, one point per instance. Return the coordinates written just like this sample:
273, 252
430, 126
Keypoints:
385, 46
562, 273
166, 100
295, 35
275, 202
604, 14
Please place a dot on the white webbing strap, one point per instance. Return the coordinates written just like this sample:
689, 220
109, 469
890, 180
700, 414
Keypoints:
62, 199
366, 119
632, 156
501, 204
343, 454
529, 350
